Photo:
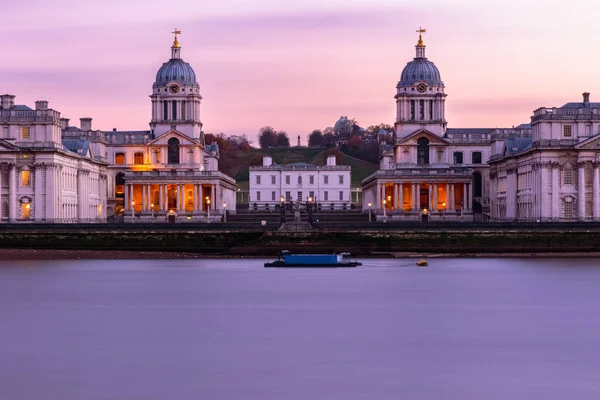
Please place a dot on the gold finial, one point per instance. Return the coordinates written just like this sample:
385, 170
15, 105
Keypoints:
175, 42
420, 42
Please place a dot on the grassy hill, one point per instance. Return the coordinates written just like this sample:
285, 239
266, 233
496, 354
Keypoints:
316, 156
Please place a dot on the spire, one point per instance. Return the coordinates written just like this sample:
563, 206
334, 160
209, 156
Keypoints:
176, 48
420, 45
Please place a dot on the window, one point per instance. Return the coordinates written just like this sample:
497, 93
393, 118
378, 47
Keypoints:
273, 196
257, 196
341, 179
120, 158
25, 178
476, 157
431, 109
273, 179
173, 151
120, 185
183, 109
287, 179
326, 196
299, 196
165, 109
412, 110
288, 196
311, 195
258, 179
138, 158
458, 157
568, 209
25, 210
326, 179
300, 180
341, 195
423, 151
25, 133
567, 131
174, 110
422, 109
568, 176
311, 179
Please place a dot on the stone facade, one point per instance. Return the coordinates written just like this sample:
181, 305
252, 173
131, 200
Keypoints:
44, 177
328, 186
554, 175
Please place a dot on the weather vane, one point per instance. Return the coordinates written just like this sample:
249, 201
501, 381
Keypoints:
176, 32
421, 31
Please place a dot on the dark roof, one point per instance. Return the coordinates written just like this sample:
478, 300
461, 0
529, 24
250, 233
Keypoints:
81, 147
120, 137
21, 107
581, 105
300, 164
517, 145
462, 131
212, 148
523, 126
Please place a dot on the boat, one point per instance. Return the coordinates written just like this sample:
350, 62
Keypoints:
422, 263
287, 260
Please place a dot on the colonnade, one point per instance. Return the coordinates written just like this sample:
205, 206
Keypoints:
185, 197
440, 196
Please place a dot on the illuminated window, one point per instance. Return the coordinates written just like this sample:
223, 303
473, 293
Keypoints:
120, 185
25, 211
138, 158
25, 133
26, 178
567, 131
120, 158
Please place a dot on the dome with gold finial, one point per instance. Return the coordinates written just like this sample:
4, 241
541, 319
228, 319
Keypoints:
175, 69
420, 69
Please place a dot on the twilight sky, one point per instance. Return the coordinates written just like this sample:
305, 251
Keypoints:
299, 65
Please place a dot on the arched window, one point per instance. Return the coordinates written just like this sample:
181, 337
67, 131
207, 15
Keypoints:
476, 157
120, 158
120, 185
173, 157
477, 185
458, 157
138, 158
423, 151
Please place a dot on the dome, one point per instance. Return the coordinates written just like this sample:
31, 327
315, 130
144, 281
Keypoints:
420, 70
175, 70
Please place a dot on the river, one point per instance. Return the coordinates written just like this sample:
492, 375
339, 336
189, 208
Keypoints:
230, 329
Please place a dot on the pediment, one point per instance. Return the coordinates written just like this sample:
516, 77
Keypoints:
7, 146
592, 143
163, 139
415, 136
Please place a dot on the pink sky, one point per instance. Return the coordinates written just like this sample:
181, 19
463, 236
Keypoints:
298, 67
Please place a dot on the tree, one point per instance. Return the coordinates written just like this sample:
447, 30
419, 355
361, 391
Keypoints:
282, 139
209, 138
315, 138
354, 145
267, 137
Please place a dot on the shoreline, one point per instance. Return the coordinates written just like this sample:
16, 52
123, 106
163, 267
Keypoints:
55, 254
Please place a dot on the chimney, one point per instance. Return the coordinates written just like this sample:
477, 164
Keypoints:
7, 101
41, 105
86, 124
586, 99
114, 129
267, 161
331, 160
64, 122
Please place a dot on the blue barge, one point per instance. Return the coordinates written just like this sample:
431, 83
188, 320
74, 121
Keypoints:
287, 260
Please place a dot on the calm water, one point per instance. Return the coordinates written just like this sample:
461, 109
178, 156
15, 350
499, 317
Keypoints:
223, 329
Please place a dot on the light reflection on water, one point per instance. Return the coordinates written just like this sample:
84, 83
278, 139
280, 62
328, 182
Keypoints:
231, 329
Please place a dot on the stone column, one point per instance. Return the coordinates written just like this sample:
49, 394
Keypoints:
214, 199
161, 196
596, 192
447, 194
150, 197
400, 196
418, 194
80, 189
12, 193
581, 191
452, 198
1, 169
470, 203
435, 198
50, 205
555, 191
166, 197
38, 205
126, 200
464, 198
180, 198
378, 199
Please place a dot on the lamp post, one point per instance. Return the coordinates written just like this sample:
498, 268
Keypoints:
152, 209
132, 209
282, 210
208, 207
309, 209
443, 209
389, 200
224, 212
384, 212
370, 205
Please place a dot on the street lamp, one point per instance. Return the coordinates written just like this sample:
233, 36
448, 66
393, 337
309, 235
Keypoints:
309, 209
132, 209
282, 210
208, 207
443, 209
384, 214
224, 212
370, 205
152, 209
389, 200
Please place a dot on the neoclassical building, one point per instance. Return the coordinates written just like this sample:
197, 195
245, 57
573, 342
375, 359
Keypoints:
430, 169
45, 177
553, 175
328, 185
167, 172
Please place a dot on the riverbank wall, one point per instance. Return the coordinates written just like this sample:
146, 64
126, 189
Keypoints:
268, 243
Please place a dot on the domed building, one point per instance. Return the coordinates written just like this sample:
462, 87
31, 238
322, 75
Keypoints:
166, 173
430, 171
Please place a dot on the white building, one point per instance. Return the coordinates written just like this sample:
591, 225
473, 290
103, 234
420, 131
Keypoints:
553, 175
327, 186
44, 177
167, 172
430, 169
